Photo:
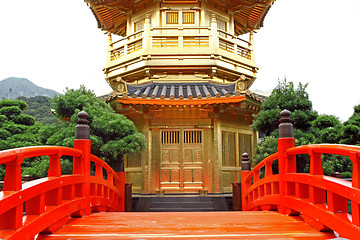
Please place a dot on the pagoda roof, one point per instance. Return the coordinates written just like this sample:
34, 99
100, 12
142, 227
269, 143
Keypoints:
159, 93
111, 15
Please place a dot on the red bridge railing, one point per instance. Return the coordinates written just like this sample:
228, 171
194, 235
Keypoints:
44, 205
321, 201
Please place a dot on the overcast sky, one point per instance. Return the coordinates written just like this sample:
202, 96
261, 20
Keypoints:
56, 44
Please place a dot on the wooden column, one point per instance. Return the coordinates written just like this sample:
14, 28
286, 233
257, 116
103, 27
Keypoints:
217, 160
146, 156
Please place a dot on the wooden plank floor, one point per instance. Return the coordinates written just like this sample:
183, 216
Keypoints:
186, 225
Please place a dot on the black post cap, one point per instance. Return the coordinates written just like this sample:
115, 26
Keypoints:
245, 164
286, 128
83, 118
82, 129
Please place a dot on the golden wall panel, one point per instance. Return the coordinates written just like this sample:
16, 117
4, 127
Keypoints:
135, 177
228, 177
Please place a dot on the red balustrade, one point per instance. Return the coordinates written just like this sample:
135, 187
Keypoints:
46, 204
321, 201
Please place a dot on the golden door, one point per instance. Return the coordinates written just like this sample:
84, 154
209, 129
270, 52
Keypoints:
181, 166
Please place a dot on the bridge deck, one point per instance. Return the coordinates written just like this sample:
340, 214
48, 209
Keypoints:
187, 225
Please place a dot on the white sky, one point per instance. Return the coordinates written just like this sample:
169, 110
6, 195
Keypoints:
56, 44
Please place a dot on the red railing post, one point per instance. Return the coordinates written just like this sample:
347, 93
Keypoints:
13, 219
121, 188
355, 207
286, 140
245, 170
316, 195
83, 143
55, 165
119, 170
12, 179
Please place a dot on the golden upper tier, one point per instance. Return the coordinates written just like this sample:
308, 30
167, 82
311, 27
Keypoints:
112, 15
180, 41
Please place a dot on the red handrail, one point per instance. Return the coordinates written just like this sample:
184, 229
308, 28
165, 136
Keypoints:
50, 201
320, 200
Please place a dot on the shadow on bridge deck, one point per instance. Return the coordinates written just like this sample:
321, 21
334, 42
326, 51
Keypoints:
187, 225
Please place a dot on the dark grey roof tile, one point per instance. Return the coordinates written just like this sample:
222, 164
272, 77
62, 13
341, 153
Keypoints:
184, 90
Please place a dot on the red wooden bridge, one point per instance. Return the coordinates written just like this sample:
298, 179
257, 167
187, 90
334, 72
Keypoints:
285, 205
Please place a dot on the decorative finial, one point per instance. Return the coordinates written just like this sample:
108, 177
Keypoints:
82, 129
285, 116
286, 129
83, 116
245, 164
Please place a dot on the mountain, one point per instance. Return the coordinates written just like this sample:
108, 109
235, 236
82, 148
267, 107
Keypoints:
12, 88
265, 93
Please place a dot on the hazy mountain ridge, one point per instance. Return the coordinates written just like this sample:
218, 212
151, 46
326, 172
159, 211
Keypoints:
13, 87
265, 93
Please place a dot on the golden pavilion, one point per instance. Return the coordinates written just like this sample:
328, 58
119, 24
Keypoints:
181, 70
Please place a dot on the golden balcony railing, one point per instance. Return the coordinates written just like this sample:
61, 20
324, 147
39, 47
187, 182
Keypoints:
196, 41
152, 38
134, 46
161, 42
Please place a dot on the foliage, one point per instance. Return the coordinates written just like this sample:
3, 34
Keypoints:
16, 129
127, 145
351, 131
296, 100
38, 168
3, 119
265, 149
10, 112
66, 105
325, 121
112, 135
39, 107
328, 129
285, 96
4, 134
309, 127
346, 174
24, 120
9, 103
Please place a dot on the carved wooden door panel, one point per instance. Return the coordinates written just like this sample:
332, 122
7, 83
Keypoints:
192, 161
181, 166
170, 176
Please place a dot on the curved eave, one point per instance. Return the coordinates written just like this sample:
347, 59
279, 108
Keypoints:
111, 14
236, 103
250, 17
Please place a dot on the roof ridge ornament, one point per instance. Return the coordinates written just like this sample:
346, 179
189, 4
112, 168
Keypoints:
120, 86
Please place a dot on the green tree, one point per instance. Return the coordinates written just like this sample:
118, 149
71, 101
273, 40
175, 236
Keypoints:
309, 127
329, 128
350, 133
112, 135
9, 103
296, 100
40, 108
10, 112
16, 129
286, 96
